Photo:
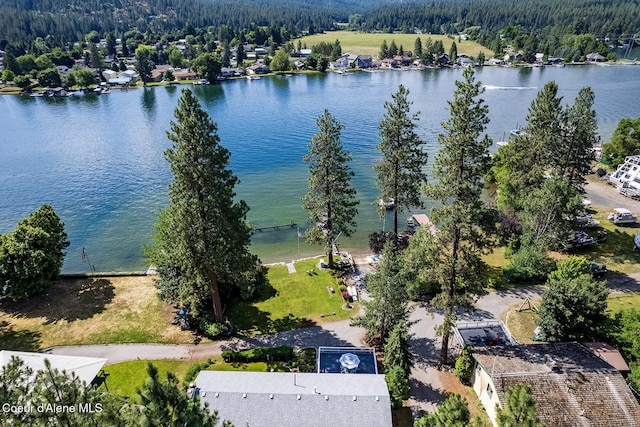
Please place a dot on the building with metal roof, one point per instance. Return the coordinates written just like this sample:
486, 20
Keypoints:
283, 399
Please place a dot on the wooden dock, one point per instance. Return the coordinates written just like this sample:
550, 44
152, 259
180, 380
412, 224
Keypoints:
276, 227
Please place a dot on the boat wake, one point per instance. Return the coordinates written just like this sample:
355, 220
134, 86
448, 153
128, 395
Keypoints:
490, 87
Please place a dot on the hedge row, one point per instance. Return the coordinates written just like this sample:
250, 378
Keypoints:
259, 354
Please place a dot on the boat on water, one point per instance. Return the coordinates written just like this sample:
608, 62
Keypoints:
517, 132
622, 216
253, 78
388, 204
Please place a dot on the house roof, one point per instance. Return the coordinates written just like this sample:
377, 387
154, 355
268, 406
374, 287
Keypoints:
570, 384
608, 354
85, 368
294, 399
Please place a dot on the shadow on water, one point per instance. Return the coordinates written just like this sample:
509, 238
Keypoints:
18, 340
148, 102
68, 299
208, 94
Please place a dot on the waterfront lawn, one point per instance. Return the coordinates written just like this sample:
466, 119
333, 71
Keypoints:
90, 311
291, 300
619, 301
369, 43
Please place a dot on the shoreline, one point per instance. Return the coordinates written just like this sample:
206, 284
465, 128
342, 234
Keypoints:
4, 91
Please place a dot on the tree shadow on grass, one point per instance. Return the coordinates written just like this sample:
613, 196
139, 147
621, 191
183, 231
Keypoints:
18, 340
68, 299
250, 320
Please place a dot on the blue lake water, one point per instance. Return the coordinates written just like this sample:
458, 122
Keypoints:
98, 160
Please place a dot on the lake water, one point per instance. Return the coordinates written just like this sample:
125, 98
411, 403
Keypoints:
98, 160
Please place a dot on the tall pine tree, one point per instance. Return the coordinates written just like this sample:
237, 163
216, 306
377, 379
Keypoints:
202, 237
400, 171
466, 227
331, 199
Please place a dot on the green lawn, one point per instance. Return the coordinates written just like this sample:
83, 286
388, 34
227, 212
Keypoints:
124, 378
619, 301
369, 43
291, 301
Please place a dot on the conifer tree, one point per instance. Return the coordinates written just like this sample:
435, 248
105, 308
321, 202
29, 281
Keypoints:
397, 348
202, 237
388, 305
520, 408
465, 225
417, 48
331, 199
400, 171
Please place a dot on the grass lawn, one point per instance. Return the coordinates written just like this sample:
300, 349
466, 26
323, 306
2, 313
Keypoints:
292, 300
521, 324
124, 378
369, 43
619, 301
90, 311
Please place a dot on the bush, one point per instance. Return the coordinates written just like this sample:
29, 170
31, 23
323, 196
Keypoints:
211, 329
464, 366
259, 354
398, 385
529, 263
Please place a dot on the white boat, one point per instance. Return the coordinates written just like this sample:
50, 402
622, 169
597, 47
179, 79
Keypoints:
387, 204
622, 216
253, 78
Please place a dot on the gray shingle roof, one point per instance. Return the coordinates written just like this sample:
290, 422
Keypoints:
296, 399
571, 385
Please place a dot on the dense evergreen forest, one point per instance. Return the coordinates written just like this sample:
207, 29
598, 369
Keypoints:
60, 22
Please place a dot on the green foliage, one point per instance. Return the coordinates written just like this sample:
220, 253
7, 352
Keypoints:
193, 370
166, 404
570, 269
8, 75
32, 255
520, 408
529, 263
548, 211
626, 338
397, 348
464, 366
212, 329
280, 61
84, 78
573, 310
144, 65
200, 247
466, 227
398, 385
168, 75
331, 201
208, 65
49, 77
452, 412
22, 81
625, 141
259, 354
400, 172
388, 305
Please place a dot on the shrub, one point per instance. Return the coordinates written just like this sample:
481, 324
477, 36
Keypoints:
259, 354
464, 366
212, 329
529, 263
398, 385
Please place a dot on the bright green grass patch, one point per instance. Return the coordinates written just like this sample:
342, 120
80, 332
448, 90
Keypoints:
623, 301
291, 300
369, 43
124, 378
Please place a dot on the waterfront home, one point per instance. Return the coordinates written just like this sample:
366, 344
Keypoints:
340, 63
513, 56
595, 57
258, 68
292, 399
109, 74
360, 61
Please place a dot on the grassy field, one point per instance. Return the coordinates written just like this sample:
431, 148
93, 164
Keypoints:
126, 309
292, 300
369, 43
90, 311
